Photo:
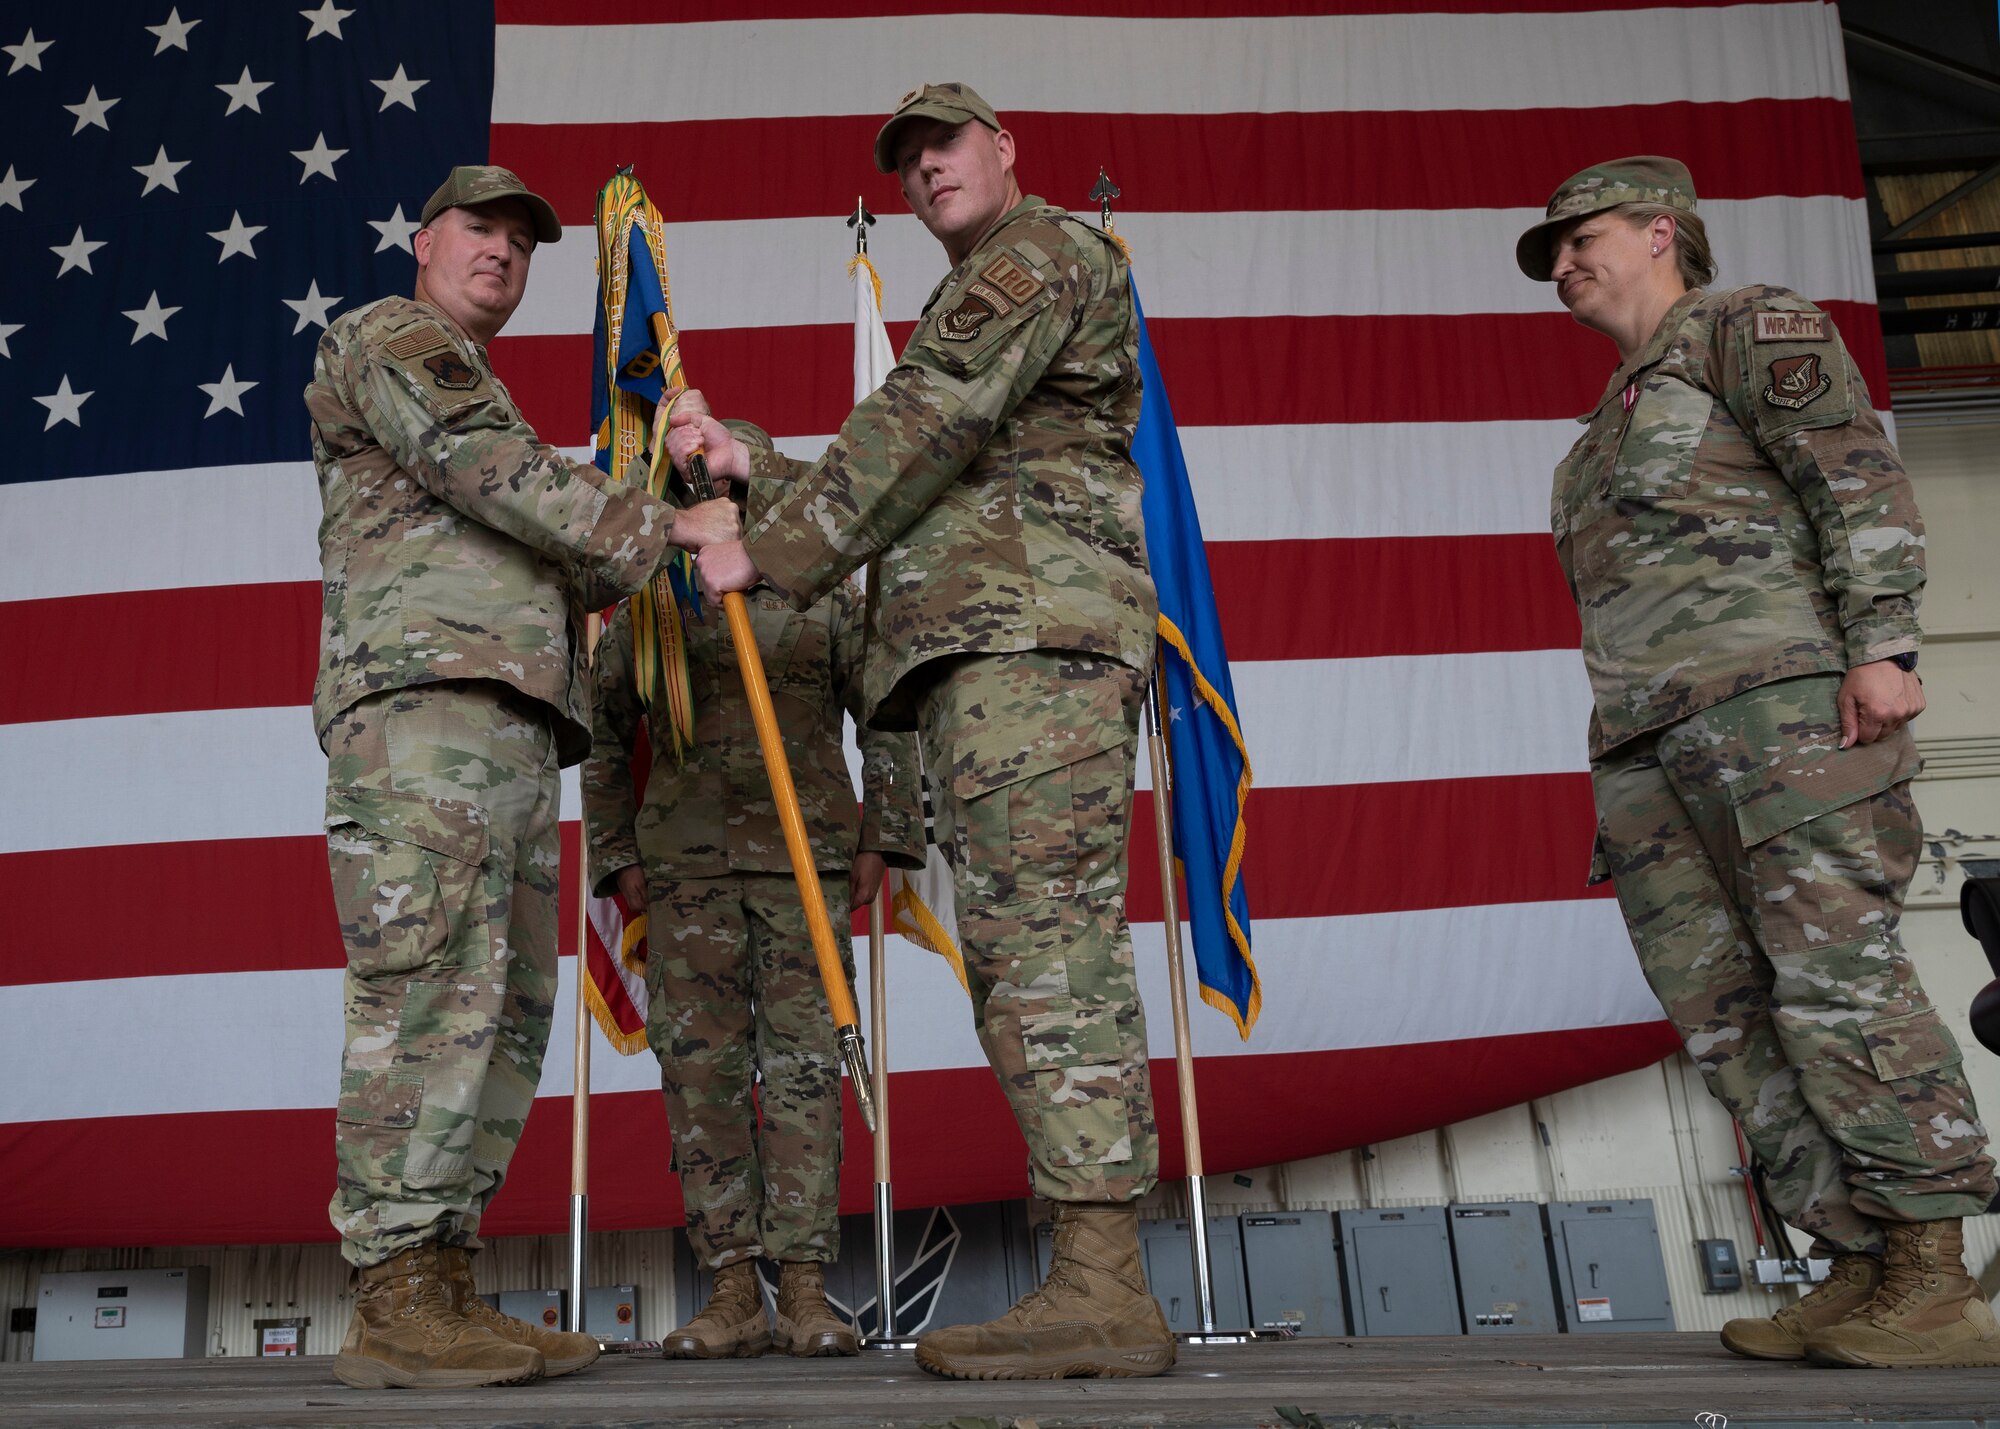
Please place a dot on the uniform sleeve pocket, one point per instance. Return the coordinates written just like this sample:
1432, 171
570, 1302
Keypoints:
1656, 458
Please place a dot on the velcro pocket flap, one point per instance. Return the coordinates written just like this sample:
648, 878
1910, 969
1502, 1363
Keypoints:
1815, 782
451, 827
1070, 1037
1914, 1043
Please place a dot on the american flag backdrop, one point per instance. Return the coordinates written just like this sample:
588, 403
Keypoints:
1322, 210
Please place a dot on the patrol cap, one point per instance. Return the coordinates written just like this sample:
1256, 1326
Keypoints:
953, 103
470, 185
1644, 178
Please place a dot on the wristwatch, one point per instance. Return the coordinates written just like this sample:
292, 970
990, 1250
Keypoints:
1906, 662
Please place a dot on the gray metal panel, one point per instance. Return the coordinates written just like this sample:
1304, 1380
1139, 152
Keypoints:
1170, 1272
122, 1314
1294, 1272
1397, 1268
611, 1312
1502, 1256
537, 1307
1609, 1266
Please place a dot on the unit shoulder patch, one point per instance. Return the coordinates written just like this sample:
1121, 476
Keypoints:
1791, 327
449, 371
1012, 278
996, 299
963, 323
1796, 381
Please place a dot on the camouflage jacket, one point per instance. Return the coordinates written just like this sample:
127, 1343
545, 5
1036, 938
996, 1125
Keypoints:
992, 471
714, 814
1733, 515
454, 544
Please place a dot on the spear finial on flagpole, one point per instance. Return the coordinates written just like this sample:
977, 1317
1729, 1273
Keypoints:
1104, 192
859, 221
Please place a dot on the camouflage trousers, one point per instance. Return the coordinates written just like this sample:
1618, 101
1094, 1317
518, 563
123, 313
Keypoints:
1761, 870
441, 839
734, 1001
1033, 755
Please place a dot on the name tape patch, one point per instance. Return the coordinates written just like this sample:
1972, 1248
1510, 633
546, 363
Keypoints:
1011, 278
1791, 327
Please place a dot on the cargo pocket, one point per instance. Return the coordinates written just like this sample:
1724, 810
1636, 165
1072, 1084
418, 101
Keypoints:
381, 1098
407, 880
1073, 1055
1810, 871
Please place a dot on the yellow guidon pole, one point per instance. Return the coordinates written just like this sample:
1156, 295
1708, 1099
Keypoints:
839, 997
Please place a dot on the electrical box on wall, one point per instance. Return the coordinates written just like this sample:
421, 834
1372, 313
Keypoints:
1608, 1264
1502, 1255
122, 1314
1294, 1272
611, 1312
1397, 1268
1720, 1270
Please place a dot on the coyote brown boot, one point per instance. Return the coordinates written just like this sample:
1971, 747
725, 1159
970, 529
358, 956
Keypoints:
407, 1333
1848, 1286
1928, 1311
731, 1324
562, 1352
806, 1324
1093, 1316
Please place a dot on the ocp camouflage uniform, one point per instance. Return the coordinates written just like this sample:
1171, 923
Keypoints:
992, 474
1738, 532
459, 554
733, 990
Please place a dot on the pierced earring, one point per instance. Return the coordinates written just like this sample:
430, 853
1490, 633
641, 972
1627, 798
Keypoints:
1656, 252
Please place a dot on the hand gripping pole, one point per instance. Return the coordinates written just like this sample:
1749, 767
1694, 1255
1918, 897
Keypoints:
839, 997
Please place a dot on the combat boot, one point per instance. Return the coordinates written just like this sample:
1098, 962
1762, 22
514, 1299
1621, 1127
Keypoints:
1848, 1286
562, 1352
407, 1333
806, 1324
1927, 1312
731, 1325
1092, 1316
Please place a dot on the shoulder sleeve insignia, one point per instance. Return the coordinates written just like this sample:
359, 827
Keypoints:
1011, 278
1791, 327
962, 323
449, 371
1795, 381
414, 342
995, 299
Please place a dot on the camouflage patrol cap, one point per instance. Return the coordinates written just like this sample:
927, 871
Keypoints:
953, 103
470, 185
1644, 178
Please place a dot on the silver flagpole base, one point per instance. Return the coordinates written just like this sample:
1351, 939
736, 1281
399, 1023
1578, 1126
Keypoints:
579, 1267
1232, 1337
1204, 1282
885, 1337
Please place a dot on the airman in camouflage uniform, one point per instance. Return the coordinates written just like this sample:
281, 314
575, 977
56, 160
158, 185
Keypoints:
734, 993
459, 555
1747, 559
991, 474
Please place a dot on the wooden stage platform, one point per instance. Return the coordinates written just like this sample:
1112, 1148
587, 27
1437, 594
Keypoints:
1666, 1379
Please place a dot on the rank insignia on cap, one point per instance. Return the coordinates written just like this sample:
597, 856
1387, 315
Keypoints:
448, 371
1791, 327
1796, 381
962, 323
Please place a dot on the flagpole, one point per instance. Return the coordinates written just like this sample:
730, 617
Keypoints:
885, 1201
579, 1144
1197, 1187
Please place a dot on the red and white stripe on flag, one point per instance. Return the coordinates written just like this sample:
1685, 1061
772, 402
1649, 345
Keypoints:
1370, 397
